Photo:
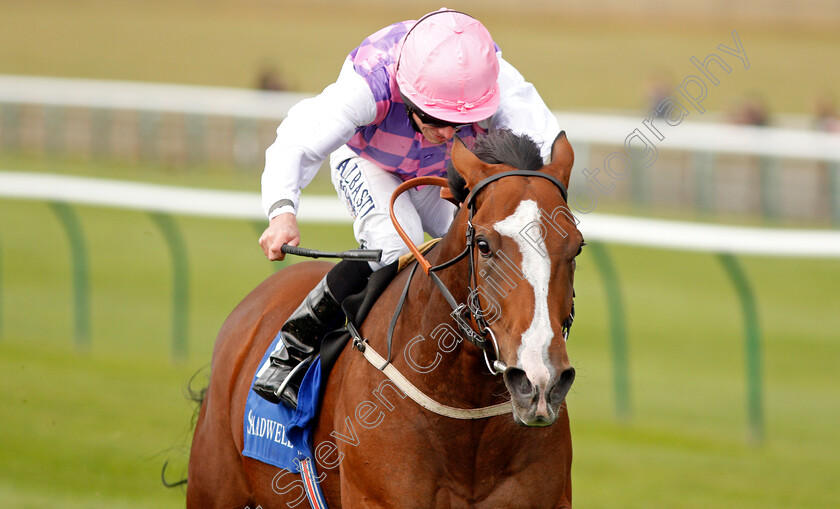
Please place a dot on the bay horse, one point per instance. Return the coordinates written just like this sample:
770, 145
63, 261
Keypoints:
381, 449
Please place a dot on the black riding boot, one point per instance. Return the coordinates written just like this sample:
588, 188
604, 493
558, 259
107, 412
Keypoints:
319, 313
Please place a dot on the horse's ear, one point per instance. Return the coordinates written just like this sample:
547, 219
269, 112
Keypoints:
562, 158
468, 165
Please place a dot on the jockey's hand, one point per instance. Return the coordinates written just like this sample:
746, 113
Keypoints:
282, 229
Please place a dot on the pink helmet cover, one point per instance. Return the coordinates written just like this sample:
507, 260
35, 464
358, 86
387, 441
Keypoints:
448, 67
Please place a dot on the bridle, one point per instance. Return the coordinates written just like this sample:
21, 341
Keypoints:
469, 318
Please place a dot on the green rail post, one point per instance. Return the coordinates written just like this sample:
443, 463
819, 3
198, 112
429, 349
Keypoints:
180, 282
78, 252
752, 344
618, 338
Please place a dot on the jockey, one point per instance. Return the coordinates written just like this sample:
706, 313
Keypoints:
391, 115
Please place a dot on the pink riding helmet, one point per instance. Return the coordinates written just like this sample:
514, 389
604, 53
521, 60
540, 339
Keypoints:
448, 67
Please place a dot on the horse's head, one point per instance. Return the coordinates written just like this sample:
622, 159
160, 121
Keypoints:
525, 242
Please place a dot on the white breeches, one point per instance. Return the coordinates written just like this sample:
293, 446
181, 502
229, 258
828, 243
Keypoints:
366, 190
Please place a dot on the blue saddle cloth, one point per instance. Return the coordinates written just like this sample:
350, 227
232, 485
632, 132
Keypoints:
276, 434
280, 436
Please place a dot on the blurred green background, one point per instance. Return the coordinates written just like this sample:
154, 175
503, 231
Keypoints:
91, 425
579, 56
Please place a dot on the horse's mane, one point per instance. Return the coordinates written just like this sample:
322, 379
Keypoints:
501, 146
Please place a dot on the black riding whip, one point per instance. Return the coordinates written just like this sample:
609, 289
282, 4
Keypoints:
365, 255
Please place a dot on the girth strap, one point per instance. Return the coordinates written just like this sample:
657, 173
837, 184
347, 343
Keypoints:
312, 484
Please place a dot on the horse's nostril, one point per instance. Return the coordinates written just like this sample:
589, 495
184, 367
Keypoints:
562, 386
518, 383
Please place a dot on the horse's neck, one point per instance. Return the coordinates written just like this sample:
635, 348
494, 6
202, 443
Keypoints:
459, 377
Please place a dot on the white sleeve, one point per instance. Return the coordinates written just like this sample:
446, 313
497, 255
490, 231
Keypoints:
523, 111
313, 129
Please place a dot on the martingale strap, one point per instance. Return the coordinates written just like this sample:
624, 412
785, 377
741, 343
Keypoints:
421, 399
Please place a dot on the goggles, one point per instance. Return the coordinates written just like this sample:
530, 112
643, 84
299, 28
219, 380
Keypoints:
427, 119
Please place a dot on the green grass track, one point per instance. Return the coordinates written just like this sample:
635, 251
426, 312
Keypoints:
91, 427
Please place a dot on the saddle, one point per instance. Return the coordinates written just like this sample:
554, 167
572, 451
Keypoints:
356, 307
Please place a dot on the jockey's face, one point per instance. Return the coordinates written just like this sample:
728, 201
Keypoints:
434, 134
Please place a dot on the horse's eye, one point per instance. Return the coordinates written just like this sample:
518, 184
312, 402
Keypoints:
483, 247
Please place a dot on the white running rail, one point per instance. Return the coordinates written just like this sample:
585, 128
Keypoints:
320, 209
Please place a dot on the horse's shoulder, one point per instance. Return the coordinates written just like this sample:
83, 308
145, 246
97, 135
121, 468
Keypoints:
254, 322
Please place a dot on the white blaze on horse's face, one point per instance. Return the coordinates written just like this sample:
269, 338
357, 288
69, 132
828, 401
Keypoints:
533, 351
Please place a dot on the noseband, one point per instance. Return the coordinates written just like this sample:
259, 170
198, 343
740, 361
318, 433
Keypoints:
468, 317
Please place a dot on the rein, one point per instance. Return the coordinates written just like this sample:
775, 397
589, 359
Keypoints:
471, 323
